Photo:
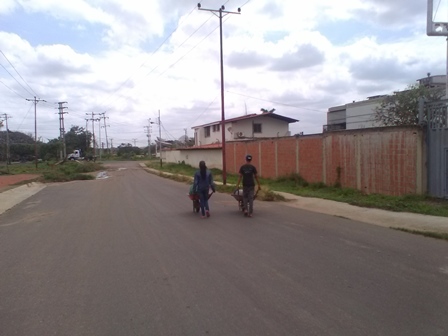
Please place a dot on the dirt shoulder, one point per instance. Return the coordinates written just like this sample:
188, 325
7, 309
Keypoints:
10, 181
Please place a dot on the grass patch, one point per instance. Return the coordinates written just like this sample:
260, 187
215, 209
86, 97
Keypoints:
296, 185
437, 235
52, 172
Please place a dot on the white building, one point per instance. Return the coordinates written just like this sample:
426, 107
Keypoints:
361, 114
251, 126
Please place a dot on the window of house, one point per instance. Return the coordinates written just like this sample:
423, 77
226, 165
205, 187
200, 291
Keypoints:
207, 131
257, 128
216, 128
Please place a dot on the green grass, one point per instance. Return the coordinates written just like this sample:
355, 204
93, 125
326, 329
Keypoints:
52, 172
296, 185
437, 235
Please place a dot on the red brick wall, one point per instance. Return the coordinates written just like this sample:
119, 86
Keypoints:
311, 158
286, 156
375, 160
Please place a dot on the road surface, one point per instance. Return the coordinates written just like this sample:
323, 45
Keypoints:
126, 255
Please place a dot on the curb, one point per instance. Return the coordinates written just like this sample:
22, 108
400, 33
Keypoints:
12, 197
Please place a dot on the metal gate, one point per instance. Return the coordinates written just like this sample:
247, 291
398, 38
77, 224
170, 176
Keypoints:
437, 142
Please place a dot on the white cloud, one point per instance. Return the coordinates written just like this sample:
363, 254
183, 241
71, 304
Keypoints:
7, 6
276, 56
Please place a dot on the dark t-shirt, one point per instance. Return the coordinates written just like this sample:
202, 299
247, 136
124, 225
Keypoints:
248, 172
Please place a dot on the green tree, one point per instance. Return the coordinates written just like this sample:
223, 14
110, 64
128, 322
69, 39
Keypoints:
401, 108
77, 138
50, 150
127, 150
22, 152
21, 145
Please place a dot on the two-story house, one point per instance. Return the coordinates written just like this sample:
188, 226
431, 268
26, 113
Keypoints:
251, 126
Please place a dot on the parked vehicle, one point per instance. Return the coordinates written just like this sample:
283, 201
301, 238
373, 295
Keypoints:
77, 155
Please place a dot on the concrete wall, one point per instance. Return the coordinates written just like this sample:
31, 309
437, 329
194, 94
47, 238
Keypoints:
212, 157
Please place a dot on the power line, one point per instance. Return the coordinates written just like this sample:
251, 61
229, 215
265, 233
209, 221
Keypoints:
152, 54
12, 90
270, 101
15, 79
177, 61
206, 109
18, 72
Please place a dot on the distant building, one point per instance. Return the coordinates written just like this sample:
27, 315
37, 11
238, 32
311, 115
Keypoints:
361, 114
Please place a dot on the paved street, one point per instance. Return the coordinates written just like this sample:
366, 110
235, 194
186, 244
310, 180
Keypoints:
126, 255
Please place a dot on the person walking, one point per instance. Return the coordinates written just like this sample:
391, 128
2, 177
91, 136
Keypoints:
248, 173
203, 182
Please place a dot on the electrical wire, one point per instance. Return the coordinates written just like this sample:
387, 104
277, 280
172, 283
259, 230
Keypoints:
26, 115
245, 3
206, 109
12, 90
270, 101
16, 80
18, 73
437, 9
189, 51
152, 54
179, 59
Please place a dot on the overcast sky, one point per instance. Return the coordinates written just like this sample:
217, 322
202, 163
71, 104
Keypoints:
133, 58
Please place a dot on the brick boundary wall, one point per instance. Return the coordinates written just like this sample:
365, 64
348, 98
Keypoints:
384, 160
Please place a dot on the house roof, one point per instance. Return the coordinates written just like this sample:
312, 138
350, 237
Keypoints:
209, 146
252, 116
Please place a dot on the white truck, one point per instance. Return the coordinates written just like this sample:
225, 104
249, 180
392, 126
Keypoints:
76, 155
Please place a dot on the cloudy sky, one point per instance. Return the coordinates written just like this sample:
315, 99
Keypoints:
132, 58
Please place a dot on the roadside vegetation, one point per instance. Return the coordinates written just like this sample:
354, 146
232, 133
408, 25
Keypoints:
295, 184
437, 235
53, 172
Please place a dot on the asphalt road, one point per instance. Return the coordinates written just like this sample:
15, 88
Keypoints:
126, 255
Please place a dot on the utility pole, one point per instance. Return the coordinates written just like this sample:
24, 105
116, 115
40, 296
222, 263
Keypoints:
8, 156
160, 139
148, 135
92, 119
105, 128
220, 15
186, 137
63, 153
35, 100
87, 138
135, 142
99, 129
111, 146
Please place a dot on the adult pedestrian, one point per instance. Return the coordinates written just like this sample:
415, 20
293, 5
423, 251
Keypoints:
248, 173
203, 182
